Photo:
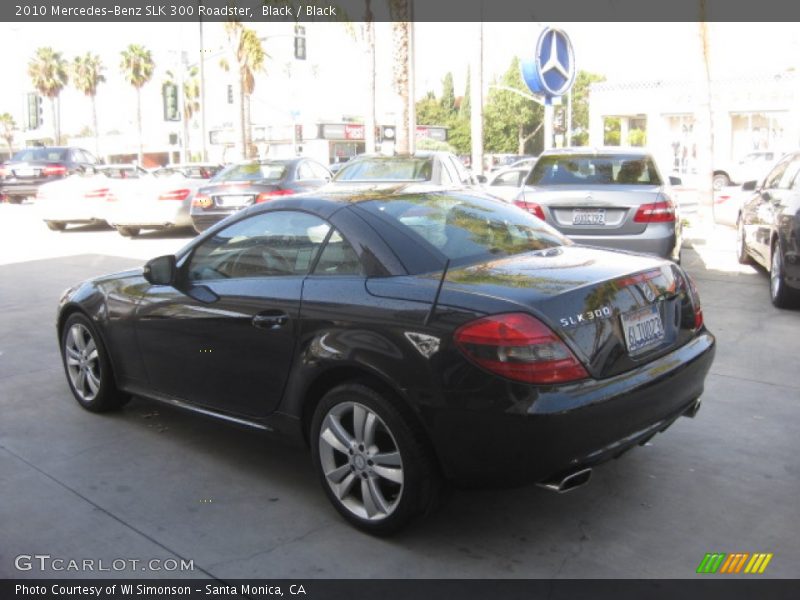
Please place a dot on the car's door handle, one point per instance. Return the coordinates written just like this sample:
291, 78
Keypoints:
270, 319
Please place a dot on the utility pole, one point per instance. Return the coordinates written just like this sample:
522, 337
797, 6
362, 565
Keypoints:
412, 104
476, 99
202, 89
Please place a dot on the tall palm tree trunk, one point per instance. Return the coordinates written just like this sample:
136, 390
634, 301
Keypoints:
139, 124
96, 129
400, 36
54, 113
369, 121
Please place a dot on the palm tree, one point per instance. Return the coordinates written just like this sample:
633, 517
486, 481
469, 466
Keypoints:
87, 74
250, 56
400, 11
137, 67
48, 73
7, 128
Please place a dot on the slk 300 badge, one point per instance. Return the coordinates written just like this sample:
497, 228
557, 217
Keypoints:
603, 312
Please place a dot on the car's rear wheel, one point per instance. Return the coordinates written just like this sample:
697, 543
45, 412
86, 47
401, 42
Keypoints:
741, 244
373, 461
87, 366
720, 180
128, 231
56, 225
781, 295
15, 199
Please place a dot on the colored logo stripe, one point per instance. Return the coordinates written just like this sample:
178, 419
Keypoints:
721, 562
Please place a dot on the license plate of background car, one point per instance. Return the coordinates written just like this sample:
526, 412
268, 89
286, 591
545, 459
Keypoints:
233, 201
26, 172
643, 329
593, 216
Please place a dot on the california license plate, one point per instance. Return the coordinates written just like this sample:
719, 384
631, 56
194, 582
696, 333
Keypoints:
643, 329
233, 201
26, 172
584, 216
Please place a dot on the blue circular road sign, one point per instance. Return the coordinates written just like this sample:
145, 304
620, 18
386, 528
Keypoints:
551, 71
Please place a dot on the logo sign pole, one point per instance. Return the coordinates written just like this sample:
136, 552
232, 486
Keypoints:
550, 73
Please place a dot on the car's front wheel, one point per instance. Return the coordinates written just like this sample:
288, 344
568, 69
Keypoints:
87, 366
741, 244
780, 294
720, 181
372, 459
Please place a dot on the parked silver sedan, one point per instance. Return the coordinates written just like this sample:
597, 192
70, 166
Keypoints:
162, 200
605, 197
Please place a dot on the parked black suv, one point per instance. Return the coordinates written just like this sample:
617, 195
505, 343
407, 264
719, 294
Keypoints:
21, 176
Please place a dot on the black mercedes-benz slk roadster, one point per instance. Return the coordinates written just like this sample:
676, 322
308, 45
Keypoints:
412, 338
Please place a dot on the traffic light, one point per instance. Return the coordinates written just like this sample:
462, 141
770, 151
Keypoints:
299, 42
171, 110
298, 132
230, 94
34, 110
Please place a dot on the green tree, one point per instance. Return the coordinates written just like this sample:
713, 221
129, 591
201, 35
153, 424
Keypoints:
611, 131
137, 68
448, 94
580, 106
49, 75
87, 74
512, 120
250, 57
7, 128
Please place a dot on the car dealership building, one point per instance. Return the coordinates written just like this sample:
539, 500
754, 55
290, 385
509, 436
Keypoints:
749, 113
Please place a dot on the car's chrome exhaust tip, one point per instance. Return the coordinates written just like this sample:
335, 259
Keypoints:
692, 411
574, 480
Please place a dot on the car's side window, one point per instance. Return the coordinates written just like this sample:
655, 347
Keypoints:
774, 178
447, 175
790, 174
319, 171
304, 171
510, 178
278, 243
461, 170
338, 258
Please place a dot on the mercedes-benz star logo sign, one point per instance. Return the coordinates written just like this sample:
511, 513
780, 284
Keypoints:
556, 61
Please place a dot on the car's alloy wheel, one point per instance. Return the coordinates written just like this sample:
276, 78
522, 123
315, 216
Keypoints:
720, 181
128, 231
781, 296
87, 366
373, 459
361, 461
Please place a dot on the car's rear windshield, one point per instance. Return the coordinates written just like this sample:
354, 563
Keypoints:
465, 228
387, 169
189, 171
50, 154
252, 172
594, 169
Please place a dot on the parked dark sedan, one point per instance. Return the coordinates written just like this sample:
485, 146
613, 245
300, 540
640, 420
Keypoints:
21, 176
254, 182
768, 229
411, 339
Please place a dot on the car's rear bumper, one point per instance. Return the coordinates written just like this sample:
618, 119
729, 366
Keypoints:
153, 217
659, 239
19, 190
534, 433
201, 222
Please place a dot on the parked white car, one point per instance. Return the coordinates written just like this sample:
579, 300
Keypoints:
84, 198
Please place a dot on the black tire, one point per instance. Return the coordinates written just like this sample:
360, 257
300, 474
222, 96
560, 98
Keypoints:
106, 397
128, 231
741, 244
720, 180
15, 199
422, 485
55, 225
781, 295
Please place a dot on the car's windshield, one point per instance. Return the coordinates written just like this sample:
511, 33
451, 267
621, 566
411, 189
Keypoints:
51, 154
466, 228
387, 169
252, 172
592, 169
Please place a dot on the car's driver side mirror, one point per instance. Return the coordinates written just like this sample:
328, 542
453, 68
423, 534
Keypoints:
161, 271
749, 186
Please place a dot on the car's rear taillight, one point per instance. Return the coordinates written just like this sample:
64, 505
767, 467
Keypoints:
698, 309
520, 347
657, 212
531, 207
267, 196
201, 201
98, 193
54, 171
182, 194
4, 172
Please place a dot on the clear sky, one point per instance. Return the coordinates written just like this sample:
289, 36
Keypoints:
331, 82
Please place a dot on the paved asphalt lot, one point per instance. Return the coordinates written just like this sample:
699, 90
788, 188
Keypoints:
153, 482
